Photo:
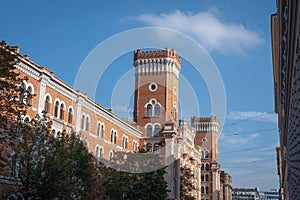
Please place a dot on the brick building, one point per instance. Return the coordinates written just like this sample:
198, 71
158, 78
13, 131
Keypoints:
156, 126
286, 68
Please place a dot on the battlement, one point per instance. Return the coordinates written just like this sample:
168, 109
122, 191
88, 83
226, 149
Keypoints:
205, 119
205, 124
167, 53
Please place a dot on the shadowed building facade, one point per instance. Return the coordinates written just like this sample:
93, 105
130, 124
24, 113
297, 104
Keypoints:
285, 26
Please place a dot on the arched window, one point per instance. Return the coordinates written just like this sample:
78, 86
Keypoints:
149, 110
53, 132
156, 110
202, 167
87, 120
82, 122
134, 146
101, 130
206, 177
28, 96
70, 115
207, 167
56, 109
149, 147
156, 147
101, 153
156, 130
202, 190
112, 136
97, 153
149, 130
111, 155
61, 112
98, 130
115, 137
202, 177
47, 102
207, 190
124, 142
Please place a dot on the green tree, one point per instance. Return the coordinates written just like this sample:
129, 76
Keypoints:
69, 170
146, 185
186, 183
12, 107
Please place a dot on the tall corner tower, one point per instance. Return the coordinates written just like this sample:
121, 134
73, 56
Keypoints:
156, 88
207, 133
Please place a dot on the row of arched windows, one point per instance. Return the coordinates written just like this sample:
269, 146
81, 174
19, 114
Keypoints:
59, 109
152, 148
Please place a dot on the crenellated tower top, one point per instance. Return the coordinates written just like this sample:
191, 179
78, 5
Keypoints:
167, 53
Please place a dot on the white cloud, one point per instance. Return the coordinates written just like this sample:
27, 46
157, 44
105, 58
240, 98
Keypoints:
239, 140
252, 115
206, 28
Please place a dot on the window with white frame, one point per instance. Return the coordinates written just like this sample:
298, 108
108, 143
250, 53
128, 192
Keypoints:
47, 104
100, 129
124, 142
149, 130
153, 108
61, 111
156, 130
87, 121
70, 115
113, 136
134, 146
56, 107
111, 155
82, 121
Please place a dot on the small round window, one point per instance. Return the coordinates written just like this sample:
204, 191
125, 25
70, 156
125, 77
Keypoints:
152, 87
204, 139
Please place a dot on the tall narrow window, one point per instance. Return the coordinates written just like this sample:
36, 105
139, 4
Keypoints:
98, 130
87, 124
111, 155
207, 167
156, 130
207, 190
202, 177
70, 115
97, 154
47, 102
101, 153
101, 130
206, 177
61, 112
156, 110
149, 130
202, 190
28, 96
149, 110
56, 109
112, 136
115, 137
82, 122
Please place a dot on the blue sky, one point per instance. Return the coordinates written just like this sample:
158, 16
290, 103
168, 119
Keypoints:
236, 34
